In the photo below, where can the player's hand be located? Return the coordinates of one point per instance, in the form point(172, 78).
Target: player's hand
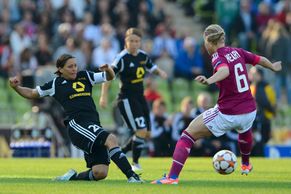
point(103, 102)
point(277, 66)
point(104, 67)
point(202, 79)
point(14, 82)
point(163, 74)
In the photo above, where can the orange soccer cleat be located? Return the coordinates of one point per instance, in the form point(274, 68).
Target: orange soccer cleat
point(166, 180)
point(246, 169)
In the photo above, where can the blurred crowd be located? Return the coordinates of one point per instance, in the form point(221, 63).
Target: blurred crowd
point(33, 34)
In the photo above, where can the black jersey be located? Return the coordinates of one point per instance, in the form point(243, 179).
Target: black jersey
point(75, 95)
point(131, 70)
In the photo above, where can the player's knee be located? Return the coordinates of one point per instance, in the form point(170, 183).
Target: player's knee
point(111, 141)
point(100, 174)
point(144, 134)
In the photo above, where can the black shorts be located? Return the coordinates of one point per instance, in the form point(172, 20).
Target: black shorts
point(135, 112)
point(90, 138)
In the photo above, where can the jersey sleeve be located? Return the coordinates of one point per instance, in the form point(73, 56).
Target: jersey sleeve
point(218, 63)
point(48, 89)
point(96, 78)
point(249, 57)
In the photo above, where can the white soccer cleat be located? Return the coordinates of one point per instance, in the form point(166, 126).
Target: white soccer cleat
point(135, 179)
point(136, 167)
point(67, 176)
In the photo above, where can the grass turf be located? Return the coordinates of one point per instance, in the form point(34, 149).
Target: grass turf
point(34, 176)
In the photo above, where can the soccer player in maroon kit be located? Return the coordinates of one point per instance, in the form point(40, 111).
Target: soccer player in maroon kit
point(235, 108)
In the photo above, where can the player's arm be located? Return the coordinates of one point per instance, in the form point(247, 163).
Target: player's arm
point(109, 72)
point(277, 66)
point(221, 74)
point(23, 91)
point(161, 73)
point(103, 101)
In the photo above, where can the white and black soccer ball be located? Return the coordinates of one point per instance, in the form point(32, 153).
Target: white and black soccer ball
point(224, 162)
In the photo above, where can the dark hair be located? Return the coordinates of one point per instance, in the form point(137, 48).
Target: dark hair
point(62, 61)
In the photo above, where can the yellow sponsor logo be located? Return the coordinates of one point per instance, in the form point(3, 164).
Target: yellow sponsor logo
point(80, 94)
point(82, 78)
point(79, 86)
point(137, 80)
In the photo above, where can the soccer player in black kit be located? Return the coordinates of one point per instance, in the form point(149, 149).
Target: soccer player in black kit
point(131, 65)
point(73, 90)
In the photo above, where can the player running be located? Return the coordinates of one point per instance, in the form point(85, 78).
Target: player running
point(235, 109)
point(131, 65)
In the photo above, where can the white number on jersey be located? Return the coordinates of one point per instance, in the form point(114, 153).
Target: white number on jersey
point(240, 78)
point(140, 121)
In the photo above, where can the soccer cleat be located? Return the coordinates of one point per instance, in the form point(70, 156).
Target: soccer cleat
point(136, 167)
point(166, 181)
point(135, 179)
point(246, 169)
point(67, 176)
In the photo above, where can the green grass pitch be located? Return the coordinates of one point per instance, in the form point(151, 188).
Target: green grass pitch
point(34, 176)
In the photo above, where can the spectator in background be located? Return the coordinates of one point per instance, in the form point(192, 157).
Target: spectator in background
point(30, 28)
point(71, 47)
point(103, 54)
point(204, 102)
point(43, 53)
point(188, 63)
point(277, 48)
point(27, 67)
point(166, 63)
point(92, 32)
point(207, 68)
point(245, 26)
point(226, 12)
point(6, 58)
point(182, 119)
point(161, 130)
point(151, 92)
point(164, 41)
point(87, 49)
point(263, 16)
point(5, 23)
point(19, 40)
point(266, 109)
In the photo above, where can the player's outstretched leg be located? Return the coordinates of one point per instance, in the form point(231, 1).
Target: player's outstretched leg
point(120, 159)
point(181, 153)
point(245, 141)
point(67, 176)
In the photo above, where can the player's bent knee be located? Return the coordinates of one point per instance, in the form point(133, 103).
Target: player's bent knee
point(111, 141)
point(142, 134)
point(100, 174)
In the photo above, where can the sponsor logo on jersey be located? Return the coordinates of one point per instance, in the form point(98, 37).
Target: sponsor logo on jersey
point(131, 65)
point(79, 86)
point(81, 78)
point(80, 94)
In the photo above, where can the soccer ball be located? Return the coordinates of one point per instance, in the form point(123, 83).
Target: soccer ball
point(224, 162)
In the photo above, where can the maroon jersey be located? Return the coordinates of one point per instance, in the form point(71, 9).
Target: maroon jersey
point(234, 92)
